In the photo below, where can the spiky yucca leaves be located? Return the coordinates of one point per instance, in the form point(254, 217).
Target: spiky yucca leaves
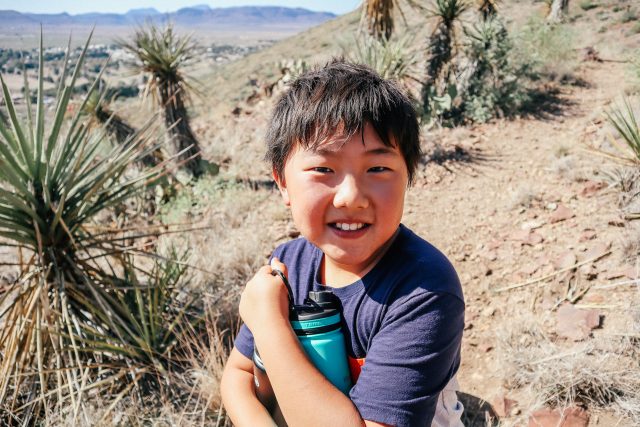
point(64, 326)
point(163, 54)
point(392, 59)
point(442, 48)
point(97, 107)
point(488, 8)
point(626, 124)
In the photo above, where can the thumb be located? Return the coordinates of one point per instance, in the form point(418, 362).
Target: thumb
point(276, 264)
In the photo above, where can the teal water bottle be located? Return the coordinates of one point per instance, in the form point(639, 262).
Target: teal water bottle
point(317, 324)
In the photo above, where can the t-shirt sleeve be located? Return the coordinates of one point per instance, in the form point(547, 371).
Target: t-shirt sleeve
point(410, 360)
point(244, 341)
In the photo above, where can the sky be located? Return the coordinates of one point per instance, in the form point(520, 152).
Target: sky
point(121, 6)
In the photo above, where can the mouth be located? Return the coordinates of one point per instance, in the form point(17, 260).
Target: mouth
point(349, 226)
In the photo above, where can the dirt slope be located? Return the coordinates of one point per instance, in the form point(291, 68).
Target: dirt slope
point(493, 214)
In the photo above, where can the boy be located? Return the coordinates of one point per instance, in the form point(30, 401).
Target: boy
point(344, 147)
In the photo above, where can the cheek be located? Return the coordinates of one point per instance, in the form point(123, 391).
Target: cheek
point(308, 206)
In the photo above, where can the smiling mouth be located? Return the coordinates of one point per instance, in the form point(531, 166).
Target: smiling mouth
point(354, 226)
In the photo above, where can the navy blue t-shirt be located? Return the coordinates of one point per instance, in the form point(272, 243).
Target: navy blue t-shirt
point(403, 324)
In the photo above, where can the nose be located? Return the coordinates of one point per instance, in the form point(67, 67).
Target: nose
point(350, 194)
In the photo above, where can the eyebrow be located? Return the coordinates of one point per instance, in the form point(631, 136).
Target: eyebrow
point(374, 151)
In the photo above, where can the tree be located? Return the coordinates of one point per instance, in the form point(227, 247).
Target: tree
point(558, 10)
point(163, 55)
point(442, 48)
point(488, 9)
point(377, 15)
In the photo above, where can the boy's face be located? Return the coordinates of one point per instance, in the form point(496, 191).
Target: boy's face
point(346, 199)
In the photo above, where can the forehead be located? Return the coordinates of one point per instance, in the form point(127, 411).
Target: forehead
point(337, 141)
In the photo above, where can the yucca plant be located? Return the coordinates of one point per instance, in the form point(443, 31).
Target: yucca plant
point(163, 54)
point(558, 10)
point(488, 8)
point(68, 325)
point(491, 85)
point(392, 59)
point(624, 121)
point(442, 48)
point(377, 17)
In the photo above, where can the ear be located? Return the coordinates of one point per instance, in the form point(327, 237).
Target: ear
point(282, 186)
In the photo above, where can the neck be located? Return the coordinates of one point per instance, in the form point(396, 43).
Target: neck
point(339, 275)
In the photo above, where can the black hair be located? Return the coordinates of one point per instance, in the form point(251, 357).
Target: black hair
point(342, 97)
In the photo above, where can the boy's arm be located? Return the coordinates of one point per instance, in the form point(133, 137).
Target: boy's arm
point(305, 396)
point(238, 393)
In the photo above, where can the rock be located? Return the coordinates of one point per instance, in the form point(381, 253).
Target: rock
point(561, 214)
point(565, 260)
point(532, 225)
point(488, 312)
point(597, 251)
point(589, 271)
point(570, 417)
point(591, 187)
point(529, 269)
point(551, 206)
point(594, 299)
point(527, 237)
point(503, 406)
point(485, 347)
point(628, 272)
point(576, 324)
point(587, 234)
point(489, 255)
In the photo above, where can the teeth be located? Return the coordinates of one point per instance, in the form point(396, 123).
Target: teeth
point(349, 227)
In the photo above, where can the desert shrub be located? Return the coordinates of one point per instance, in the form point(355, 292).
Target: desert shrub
point(628, 16)
point(588, 5)
point(495, 86)
point(601, 372)
point(548, 49)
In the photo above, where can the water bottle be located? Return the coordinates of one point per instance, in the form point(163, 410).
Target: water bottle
point(317, 324)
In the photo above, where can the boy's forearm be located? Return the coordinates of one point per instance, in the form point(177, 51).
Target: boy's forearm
point(303, 393)
point(240, 401)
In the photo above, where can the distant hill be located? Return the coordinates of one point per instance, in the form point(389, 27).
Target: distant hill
point(196, 16)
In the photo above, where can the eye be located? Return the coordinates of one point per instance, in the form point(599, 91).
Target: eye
point(321, 169)
point(378, 169)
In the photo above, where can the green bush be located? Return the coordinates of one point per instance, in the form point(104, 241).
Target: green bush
point(548, 49)
point(495, 86)
point(588, 5)
point(628, 16)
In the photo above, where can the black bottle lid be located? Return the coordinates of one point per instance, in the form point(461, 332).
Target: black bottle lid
point(318, 305)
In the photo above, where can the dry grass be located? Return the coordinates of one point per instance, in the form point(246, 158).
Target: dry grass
point(601, 372)
point(242, 228)
point(523, 196)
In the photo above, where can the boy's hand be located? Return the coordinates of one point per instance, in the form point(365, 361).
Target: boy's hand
point(264, 302)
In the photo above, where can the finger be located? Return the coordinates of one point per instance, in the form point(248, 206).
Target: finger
point(276, 264)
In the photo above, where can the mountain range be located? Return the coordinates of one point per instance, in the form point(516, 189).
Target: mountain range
point(200, 15)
